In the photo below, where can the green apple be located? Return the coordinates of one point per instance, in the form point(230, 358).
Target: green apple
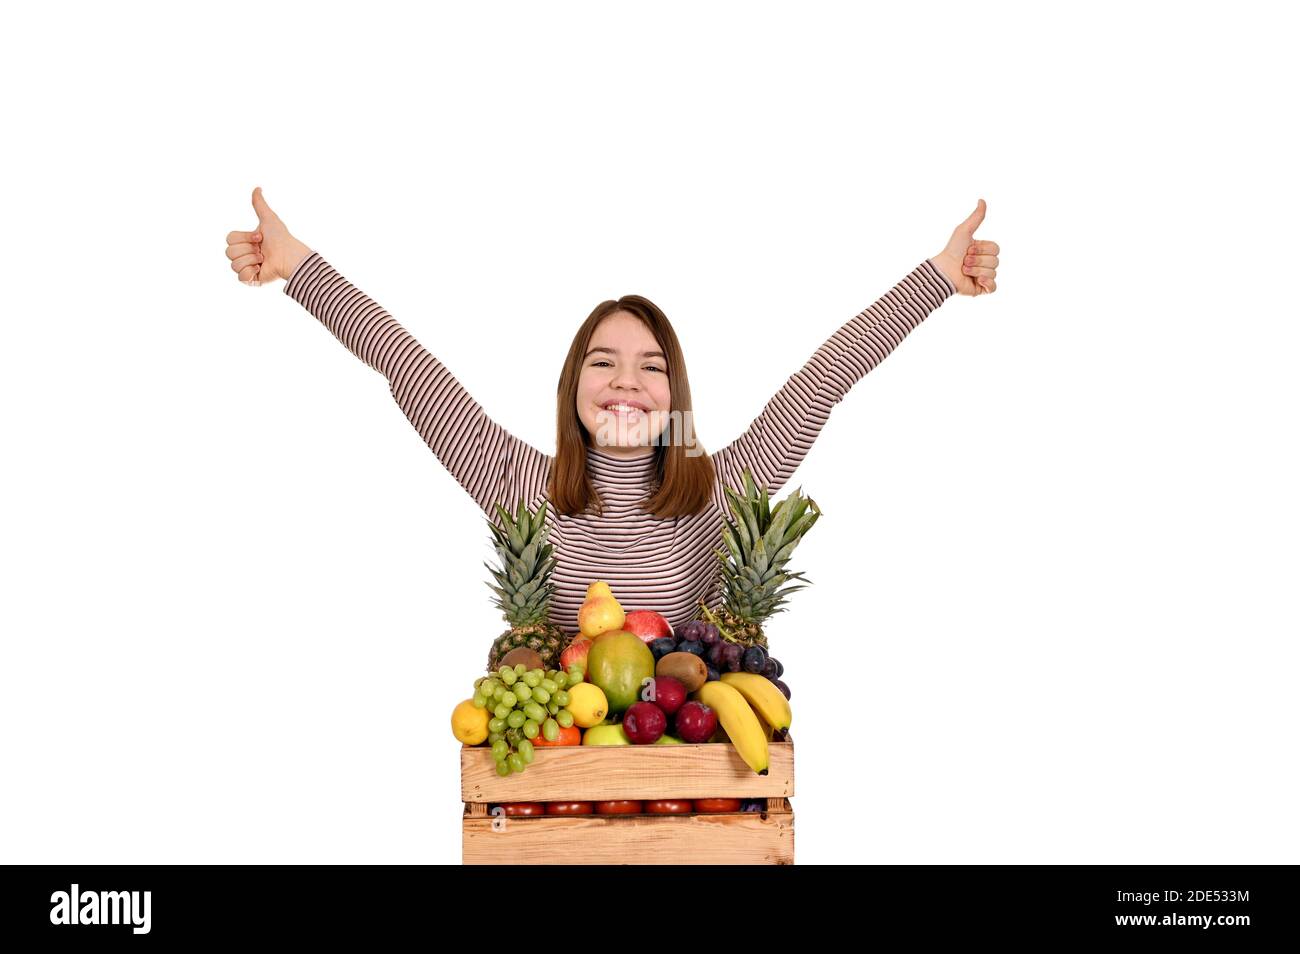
point(669, 740)
point(606, 735)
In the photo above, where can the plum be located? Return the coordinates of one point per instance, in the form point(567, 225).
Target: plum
point(669, 694)
point(696, 722)
point(644, 723)
point(754, 660)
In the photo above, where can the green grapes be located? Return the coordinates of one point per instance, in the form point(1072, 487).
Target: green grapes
point(524, 705)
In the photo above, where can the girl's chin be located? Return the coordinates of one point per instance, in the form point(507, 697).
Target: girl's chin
point(626, 442)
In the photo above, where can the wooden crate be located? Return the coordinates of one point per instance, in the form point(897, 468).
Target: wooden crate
point(641, 772)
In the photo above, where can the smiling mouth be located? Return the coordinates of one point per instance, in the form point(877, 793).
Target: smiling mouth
point(619, 407)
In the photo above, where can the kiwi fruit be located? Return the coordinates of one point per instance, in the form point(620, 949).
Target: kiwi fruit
point(531, 658)
point(688, 668)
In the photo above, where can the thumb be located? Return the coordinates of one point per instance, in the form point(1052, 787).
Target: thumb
point(264, 213)
point(973, 220)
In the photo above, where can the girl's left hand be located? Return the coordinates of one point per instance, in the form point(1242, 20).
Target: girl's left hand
point(969, 264)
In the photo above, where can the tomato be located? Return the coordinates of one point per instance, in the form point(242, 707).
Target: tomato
point(622, 807)
point(570, 736)
point(669, 806)
point(521, 809)
point(715, 805)
point(569, 808)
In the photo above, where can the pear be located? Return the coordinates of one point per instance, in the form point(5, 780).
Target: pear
point(600, 615)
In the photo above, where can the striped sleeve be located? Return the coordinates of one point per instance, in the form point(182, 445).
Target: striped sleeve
point(775, 443)
point(493, 465)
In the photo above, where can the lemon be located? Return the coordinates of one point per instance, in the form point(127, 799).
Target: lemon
point(469, 723)
point(588, 705)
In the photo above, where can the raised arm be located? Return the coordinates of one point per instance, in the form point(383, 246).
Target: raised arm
point(774, 444)
point(493, 465)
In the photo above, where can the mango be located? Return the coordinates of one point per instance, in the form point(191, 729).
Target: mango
point(619, 662)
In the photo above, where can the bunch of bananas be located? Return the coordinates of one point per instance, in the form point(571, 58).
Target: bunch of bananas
point(751, 709)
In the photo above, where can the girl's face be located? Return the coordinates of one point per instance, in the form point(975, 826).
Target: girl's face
point(623, 394)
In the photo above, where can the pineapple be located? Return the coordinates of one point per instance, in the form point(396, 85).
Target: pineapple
point(758, 547)
point(524, 587)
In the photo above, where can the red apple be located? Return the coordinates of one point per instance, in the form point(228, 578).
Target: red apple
point(647, 624)
point(667, 693)
point(575, 652)
point(644, 723)
point(696, 722)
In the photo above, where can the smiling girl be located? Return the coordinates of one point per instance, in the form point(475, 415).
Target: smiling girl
point(634, 500)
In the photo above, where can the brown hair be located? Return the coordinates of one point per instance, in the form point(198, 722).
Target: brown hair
point(683, 484)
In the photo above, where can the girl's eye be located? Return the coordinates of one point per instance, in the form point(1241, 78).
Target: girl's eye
point(597, 364)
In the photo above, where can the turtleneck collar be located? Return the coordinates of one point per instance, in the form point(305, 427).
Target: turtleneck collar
point(606, 469)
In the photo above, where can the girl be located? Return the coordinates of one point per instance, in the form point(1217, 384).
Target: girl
point(632, 498)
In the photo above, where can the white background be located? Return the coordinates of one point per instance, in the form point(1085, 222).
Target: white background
point(1053, 616)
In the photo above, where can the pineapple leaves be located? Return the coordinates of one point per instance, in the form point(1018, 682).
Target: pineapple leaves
point(729, 537)
point(523, 586)
point(758, 545)
point(745, 514)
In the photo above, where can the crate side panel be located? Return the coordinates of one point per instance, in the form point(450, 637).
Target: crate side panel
point(748, 839)
point(600, 773)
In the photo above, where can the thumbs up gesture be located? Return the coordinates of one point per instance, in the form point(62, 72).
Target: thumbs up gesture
point(267, 252)
point(970, 264)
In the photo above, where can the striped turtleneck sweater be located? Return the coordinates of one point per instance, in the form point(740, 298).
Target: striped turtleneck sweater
point(666, 565)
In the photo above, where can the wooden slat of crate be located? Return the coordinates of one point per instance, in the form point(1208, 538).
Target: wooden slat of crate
point(749, 838)
point(603, 773)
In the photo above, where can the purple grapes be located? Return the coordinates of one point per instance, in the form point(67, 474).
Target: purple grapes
point(785, 690)
point(689, 632)
point(754, 660)
point(710, 635)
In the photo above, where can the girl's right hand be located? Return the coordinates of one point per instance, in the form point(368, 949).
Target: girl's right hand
point(266, 253)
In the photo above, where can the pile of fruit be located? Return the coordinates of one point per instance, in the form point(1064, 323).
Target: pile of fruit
point(517, 709)
point(627, 678)
point(700, 639)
